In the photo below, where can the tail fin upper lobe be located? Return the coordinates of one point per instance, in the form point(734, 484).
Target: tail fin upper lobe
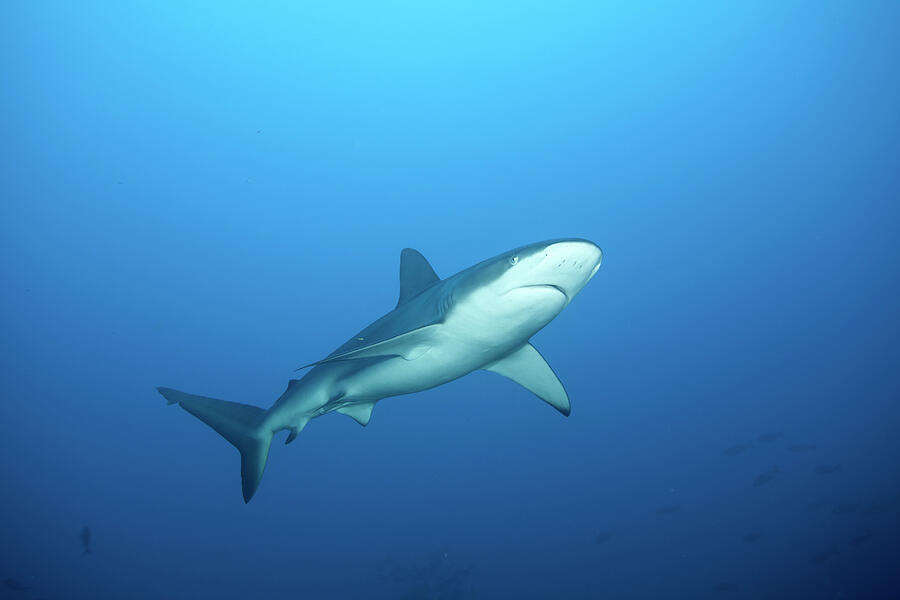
point(240, 424)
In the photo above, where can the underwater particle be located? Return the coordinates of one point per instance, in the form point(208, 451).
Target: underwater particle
point(824, 555)
point(434, 576)
point(738, 448)
point(670, 509)
point(882, 506)
point(86, 539)
point(845, 508)
point(861, 538)
point(14, 585)
point(828, 469)
point(799, 448)
point(764, 478)
point(603, 537)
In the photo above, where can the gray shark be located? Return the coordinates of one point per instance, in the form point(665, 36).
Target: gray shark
point(440, 330)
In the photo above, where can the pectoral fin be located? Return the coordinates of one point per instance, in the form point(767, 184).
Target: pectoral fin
point(528, 368)
point(410, 345)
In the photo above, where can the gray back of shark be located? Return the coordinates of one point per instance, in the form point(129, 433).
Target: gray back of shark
point(440, 330)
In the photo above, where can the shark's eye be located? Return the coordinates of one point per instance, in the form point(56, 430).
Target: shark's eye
point(513, 259)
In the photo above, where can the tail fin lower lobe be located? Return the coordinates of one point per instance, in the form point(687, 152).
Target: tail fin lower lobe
point(240, 424)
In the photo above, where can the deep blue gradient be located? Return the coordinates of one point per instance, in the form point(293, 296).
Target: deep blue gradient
point(206, 195)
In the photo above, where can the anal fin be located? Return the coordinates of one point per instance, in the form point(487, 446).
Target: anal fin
point(295, 430)
point(361, 412)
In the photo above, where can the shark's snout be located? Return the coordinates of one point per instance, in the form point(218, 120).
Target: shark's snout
point(570, 264)
point(574, 254)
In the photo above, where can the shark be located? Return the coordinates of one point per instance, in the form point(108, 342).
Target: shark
point(481, 318)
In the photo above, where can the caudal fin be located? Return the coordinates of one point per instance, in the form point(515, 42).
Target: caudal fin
point(240, 424)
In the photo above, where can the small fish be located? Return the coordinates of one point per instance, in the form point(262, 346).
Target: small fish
point(828, 469)
point(752, 537)
point(738, 448)
point(801, 448)
point(882, 506)
point(668, 510)
point(769, 437)
point(845, 508)
point(86, 539)
point(725, 587)
point(14, 585)
point(821, 557)
point(764, 478)
point(603, 537)
point(861, 538)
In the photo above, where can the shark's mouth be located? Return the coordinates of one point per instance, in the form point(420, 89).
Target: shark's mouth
point(551, 287)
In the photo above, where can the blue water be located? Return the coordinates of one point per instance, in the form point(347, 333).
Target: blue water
point(207, 195)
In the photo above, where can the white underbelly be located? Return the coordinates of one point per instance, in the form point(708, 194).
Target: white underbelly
point(397, 376)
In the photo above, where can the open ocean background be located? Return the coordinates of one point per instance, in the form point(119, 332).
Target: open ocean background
point(205, 195)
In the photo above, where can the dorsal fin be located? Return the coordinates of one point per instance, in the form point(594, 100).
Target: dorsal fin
point(415, 274)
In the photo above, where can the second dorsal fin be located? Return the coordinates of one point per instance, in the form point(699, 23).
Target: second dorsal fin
point(415, 274)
